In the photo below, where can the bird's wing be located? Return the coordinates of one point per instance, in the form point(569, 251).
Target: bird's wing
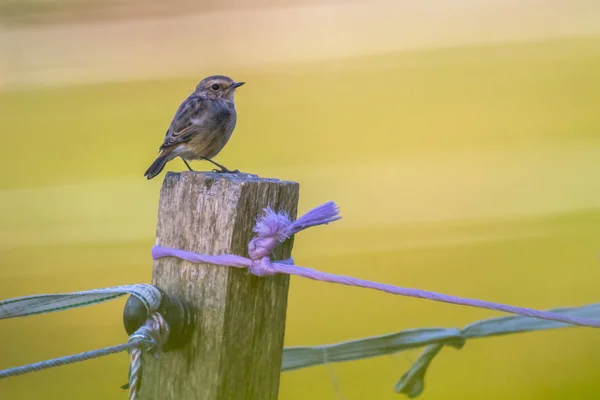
point(182, 127)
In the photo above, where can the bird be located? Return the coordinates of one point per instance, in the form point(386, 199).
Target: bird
point(201, 127)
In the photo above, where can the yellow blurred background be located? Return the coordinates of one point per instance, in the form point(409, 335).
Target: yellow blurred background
point(460, 140)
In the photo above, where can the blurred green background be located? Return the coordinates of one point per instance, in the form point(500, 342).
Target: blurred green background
point(468, 170)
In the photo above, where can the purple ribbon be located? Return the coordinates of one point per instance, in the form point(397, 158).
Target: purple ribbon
point(273, 228)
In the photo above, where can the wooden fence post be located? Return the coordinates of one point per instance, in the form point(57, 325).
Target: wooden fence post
point(236, 347)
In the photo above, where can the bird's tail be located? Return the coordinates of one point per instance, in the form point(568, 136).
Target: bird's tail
point(157, 166)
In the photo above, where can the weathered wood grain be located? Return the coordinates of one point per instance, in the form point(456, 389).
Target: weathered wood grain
point(235, 349)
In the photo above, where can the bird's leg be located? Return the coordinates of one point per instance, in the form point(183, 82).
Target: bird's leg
point(223, 168)
point(187, 165)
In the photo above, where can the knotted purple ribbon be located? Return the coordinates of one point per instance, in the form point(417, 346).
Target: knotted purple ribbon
point(273, 228)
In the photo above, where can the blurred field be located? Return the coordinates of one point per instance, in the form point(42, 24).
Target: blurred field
point(59, 11)
point(470, 171)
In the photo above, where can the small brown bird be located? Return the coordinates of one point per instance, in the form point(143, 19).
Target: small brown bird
point(201, 126)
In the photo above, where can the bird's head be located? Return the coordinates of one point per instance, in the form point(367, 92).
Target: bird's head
point(218, 87)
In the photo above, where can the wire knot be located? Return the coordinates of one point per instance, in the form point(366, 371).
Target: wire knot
point(150, 337)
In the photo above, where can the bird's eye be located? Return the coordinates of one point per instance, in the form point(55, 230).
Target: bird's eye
point(215, 87)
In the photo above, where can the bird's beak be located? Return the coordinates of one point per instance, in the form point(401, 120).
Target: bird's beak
point(238, 84)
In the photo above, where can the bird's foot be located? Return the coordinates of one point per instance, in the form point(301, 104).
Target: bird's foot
point(225, 171)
